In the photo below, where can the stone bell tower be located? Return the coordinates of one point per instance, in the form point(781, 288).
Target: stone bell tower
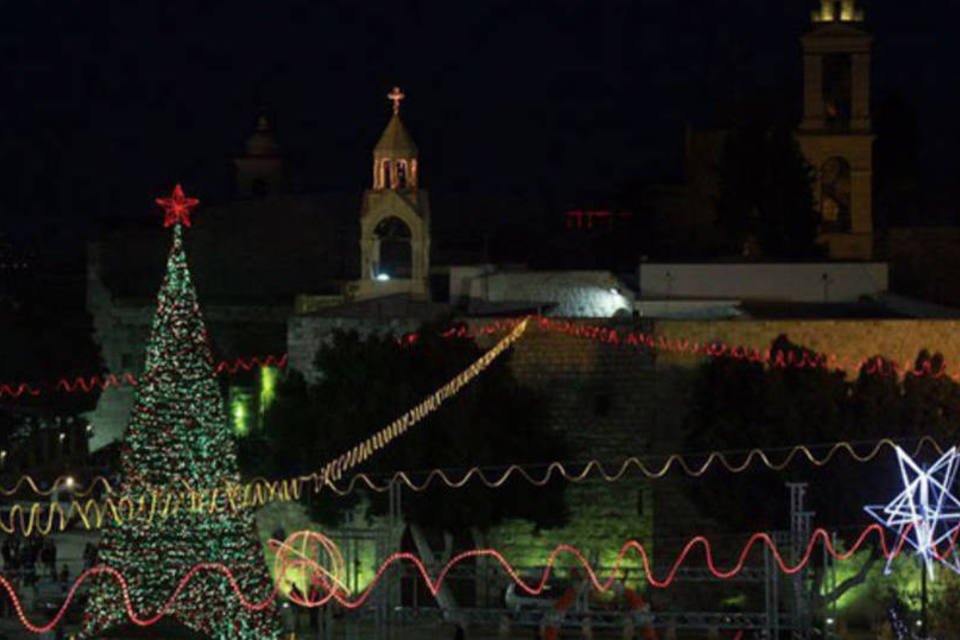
point(260, 168)
point(395, 217)
point(835, 133)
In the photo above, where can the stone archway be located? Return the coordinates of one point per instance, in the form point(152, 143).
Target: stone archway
point(393, 249)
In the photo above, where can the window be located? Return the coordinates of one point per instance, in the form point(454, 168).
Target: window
point(394, 257)
point(837, 87)
point(387, 178)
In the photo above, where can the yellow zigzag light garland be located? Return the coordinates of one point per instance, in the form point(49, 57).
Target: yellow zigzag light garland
point(91, 514)
point(651, 472)
point(162, 502)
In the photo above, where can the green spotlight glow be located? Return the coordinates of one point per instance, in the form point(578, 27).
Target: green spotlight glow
point(268, 388)
point(240, 411)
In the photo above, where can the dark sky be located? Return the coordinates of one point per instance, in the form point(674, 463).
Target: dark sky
point(105, 104)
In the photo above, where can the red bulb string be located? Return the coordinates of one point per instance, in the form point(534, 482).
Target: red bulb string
point(799, 359)
point(536, 587)
point(90, 384)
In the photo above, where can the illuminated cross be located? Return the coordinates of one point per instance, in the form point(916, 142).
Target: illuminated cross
point(176, 208)
point(396, 95)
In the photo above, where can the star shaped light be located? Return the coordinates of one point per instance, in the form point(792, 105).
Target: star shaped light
point(926, 513)
point(176, 208)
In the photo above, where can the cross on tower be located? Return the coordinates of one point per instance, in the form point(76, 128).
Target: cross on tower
point(396, 95)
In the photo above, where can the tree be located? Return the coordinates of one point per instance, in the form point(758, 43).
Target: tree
point(737, 406)
point(367, 381)
point(765, 193)
point(178, 433)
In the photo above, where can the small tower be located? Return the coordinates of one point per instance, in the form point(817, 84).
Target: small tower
point(395, 217)
point(260, 169)
point(835, 134)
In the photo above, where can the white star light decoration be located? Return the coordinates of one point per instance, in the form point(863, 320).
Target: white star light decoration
point(926, 513)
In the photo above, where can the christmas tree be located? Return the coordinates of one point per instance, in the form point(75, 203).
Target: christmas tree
point(178, 435)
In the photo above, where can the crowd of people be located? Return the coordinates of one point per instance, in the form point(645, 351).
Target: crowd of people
point(25, 560)
point(28, 561)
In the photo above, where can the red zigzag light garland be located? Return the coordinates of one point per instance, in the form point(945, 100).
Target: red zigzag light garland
point(532, 588)
point(637, 339)
point(90, 384)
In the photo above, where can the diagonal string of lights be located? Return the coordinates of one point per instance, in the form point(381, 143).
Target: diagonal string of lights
point(162, 502)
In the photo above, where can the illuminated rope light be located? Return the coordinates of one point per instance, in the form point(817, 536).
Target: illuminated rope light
point(594, 468)
point(293, 558)
point(261, 489)
point(716, 349)
point(639, 339)
point(163, 503)
point(89, 384)
point(335, 469)
point(43, 517)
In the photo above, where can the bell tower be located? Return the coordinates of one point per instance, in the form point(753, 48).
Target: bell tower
point(260, 168)
point(835, 133)
point(395, 217)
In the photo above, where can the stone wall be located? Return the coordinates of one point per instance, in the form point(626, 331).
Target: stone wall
point(599, 398)
point(925, 262)
point(801, 282)
point(849, 340)
point(122, 331)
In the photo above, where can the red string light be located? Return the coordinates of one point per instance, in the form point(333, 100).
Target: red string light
point(334, 591)
point(90, 384)
point(799, 359)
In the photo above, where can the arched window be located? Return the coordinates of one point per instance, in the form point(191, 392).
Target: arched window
point(837, 90)
point(386, 181)
point(835, 194)
point(401, 174)
point(394, 255)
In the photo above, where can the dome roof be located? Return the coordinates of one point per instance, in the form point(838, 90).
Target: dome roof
point(395, 142)
point(263, 142)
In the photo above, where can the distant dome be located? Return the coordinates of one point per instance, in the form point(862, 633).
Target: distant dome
point(263, 142)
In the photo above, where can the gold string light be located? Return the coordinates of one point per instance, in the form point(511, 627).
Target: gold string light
point(90, 514)
point(162, 502)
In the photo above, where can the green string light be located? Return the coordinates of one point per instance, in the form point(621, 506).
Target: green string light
point(179, 431)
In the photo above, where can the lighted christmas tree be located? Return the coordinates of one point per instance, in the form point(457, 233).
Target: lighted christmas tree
point(178, 433)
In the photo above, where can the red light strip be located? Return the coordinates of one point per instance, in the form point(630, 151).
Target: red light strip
point(100, 383)
point(532, 588)
point(606, 335)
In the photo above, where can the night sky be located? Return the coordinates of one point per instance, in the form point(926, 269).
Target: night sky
point(106, 104)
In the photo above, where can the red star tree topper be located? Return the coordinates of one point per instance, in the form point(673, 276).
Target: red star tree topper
point(176, 208)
